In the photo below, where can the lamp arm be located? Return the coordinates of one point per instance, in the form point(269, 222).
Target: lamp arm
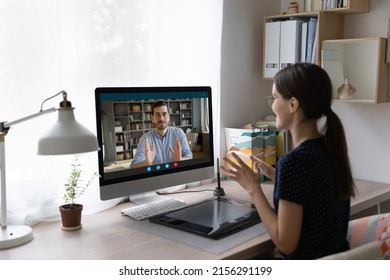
point(4, 126)
point(7, 125)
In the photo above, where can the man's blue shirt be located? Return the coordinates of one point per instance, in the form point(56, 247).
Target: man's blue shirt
point(162, 144)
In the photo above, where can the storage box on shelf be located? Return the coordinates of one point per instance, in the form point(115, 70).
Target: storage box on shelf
point(362, 62)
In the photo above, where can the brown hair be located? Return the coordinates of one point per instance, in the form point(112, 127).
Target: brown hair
point(312, 87)
point(158, 104)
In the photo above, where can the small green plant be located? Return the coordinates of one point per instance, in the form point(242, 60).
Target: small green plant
point(74, 188)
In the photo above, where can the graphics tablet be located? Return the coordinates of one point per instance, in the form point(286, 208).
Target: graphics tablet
point(216, 218)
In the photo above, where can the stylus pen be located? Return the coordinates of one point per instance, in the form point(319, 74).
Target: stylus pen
point(218, 175)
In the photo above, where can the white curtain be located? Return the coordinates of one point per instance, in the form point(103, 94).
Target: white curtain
point(51, 45)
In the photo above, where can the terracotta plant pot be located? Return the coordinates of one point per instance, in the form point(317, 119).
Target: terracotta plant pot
point(71, 216)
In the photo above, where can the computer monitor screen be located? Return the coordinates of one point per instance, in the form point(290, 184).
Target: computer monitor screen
point(124, 118)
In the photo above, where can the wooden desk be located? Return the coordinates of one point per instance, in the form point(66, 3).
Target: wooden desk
point(107, 235)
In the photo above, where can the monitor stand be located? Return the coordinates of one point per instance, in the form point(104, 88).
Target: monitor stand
point(155, 196)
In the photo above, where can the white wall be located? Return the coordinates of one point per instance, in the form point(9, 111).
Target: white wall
point(243, 90)
point(367, 126)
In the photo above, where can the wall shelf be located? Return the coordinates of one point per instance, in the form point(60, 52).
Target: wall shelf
point(362, 62)
point(329, 26)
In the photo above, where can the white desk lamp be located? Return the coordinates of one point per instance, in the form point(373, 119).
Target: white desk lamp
point(67, 136)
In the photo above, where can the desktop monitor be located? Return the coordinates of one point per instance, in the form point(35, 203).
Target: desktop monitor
point(123, 115)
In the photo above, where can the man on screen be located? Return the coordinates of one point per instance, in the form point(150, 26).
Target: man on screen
point(163, 143)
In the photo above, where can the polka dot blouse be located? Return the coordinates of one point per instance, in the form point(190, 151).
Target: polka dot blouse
point(304, 176)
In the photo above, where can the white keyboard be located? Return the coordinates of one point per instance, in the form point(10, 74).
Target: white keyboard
point(146, 211)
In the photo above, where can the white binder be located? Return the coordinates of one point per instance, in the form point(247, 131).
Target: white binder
point(290, 42)
point(271, 51)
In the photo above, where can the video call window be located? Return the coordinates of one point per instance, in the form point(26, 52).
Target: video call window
point(124, 121)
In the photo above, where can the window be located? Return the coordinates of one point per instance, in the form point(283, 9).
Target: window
point(48, 46)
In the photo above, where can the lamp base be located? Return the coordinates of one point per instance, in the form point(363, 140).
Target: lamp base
point(15, 235)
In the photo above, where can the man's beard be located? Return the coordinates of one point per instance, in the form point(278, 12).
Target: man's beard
point(161, 125)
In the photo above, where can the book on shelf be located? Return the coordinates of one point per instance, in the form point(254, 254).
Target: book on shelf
point(308, 6)
point(304, 41)
point(314, 51)
point(329, 4)
point(311, 29)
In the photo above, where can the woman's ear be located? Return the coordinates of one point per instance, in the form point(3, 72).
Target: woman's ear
point(293, 104)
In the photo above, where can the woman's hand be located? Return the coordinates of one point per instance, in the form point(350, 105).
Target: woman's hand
point(263, 168)
point(242, 173)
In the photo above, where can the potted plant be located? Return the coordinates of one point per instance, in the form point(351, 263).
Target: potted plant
point(71, 210)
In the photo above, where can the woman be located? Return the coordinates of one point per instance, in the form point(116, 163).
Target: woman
point(313, 182)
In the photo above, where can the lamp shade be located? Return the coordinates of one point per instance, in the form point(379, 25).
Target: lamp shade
point(67, 136)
